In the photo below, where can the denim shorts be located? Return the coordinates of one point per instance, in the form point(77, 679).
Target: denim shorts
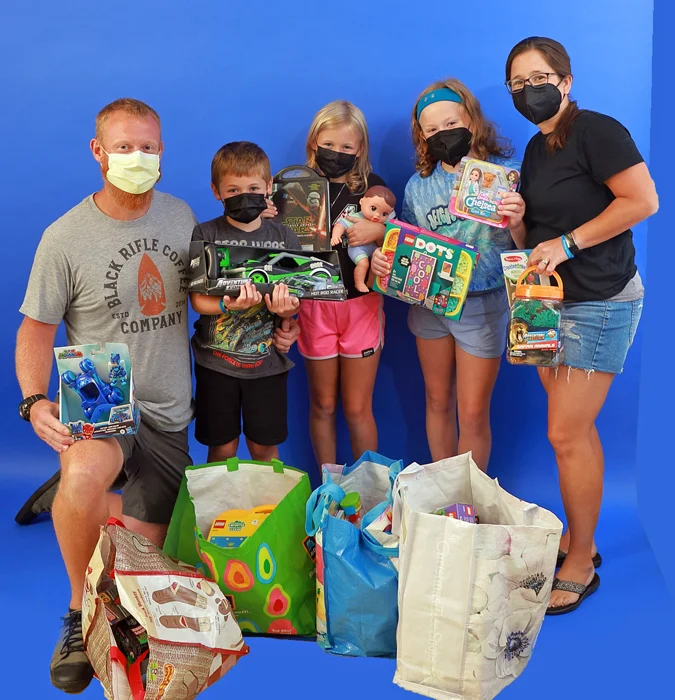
point(597, 334)
point(481, 331)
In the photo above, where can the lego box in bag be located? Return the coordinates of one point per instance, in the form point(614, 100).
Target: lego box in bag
point(96, 390)
point(428, 269)
point(301, 198)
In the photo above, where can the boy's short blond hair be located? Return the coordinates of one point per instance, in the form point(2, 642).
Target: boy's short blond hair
point(240, 158)
point(128, 105)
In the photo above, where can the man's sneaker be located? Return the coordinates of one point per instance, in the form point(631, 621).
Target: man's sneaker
point(70, 669)
point(40, 502)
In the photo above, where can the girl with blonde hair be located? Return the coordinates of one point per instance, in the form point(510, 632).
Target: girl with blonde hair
point(341, 341)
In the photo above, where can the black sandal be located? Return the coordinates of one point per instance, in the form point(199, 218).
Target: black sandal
point(582, 591)
point(40, 501)
point(597, 560)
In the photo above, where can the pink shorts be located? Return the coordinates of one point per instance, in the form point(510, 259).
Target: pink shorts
point(353, 328)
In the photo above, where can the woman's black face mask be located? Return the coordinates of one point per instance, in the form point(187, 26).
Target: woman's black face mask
point(538, 104)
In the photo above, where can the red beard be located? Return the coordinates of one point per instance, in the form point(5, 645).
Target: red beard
point(131, 202)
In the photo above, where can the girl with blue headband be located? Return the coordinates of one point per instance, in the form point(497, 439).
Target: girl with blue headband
point(448, 124)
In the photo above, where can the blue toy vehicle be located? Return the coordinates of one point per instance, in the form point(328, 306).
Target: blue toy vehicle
point(97, 396)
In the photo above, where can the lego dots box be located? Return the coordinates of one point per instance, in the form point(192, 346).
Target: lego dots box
point(96, 390)
point(428, 269)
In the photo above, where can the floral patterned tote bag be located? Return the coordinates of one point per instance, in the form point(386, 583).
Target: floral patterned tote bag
point(472, 597)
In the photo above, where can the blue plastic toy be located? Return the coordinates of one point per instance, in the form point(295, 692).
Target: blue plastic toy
point(97, 396)
point(116, 370)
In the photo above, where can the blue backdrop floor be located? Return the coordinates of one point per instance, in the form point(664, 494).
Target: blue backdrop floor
point(617, 643)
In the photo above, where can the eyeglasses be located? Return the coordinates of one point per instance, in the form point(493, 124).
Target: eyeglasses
point(538, 80)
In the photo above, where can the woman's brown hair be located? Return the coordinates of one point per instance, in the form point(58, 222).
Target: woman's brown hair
point(484, 142)
point(557, 57)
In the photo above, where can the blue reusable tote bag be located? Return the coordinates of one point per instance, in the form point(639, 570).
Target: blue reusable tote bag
point(357, 580)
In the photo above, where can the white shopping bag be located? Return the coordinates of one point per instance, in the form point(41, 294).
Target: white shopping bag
point(472, 598)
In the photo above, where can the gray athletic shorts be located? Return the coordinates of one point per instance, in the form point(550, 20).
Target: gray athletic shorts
point(481, 331)
point(154, 465)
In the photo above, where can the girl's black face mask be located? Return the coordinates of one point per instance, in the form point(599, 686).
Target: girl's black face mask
point(334, 164)
point(245, 207)
point(450, 145)
point(538, 104)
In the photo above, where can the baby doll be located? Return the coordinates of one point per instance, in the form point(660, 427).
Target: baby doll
point(377, 205)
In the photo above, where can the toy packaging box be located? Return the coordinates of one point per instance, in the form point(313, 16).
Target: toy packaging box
point(301, 197)
point(222, 270)
point(535, 336)
point(96, 390)
point(514, 263)
point(232, 527)
point(428, 269)
point(479, 188)
point(458, 511)
point(534, 333)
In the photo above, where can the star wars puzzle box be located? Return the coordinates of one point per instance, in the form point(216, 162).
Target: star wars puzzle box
point(96, 390)
point(427, 269)
point(301, 197)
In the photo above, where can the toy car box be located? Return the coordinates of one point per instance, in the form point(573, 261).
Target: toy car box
point(223, 270)
point(96, 390)
point(478, 190)
point(514, 263)
point(428, 269)
point(301, 198)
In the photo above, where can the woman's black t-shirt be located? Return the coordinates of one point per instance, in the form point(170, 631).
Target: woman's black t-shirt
point(345, 203)
point(565, 189)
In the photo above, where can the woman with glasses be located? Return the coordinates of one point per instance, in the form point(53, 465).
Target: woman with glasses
point(585, 185)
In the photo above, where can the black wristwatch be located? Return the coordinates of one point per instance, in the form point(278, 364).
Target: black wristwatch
point(27, 403)
point(571, 243)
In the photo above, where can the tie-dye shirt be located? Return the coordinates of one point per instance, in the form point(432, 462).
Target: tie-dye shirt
point(426, 205)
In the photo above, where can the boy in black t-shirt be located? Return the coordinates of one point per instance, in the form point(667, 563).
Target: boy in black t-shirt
point(238, 370)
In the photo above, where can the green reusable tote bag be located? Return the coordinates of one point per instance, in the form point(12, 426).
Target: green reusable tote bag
point(269, 578)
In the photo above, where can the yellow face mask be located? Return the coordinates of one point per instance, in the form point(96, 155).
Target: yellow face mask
point(135, 172)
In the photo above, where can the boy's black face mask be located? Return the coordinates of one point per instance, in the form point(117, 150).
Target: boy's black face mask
point(334, 164)
point(245, 207)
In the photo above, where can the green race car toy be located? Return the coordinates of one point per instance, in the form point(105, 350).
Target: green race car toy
point(227, 268)
point(278, 267)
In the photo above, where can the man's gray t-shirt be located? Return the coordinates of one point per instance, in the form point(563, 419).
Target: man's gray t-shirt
point(124, 282)
point(240, 343)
